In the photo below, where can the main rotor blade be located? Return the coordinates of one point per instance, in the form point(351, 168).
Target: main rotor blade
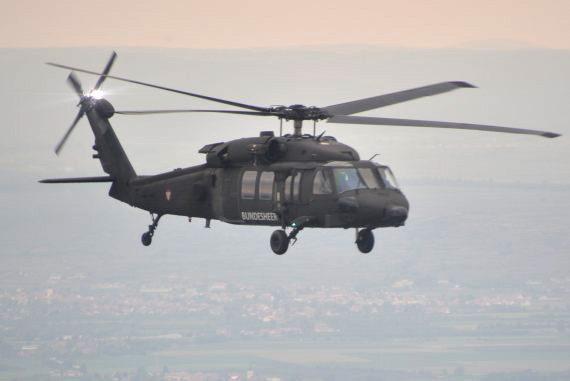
point(430, 123)
point(231, 103)
point(68, 132)
point(149, 112)
point(366, 104)
point(74, 82)
point(106, 71)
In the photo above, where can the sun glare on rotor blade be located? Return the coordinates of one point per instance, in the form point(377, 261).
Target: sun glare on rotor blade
point(97, 94)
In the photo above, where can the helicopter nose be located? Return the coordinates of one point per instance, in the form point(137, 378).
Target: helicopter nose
point(385, 209)
point(397, 213)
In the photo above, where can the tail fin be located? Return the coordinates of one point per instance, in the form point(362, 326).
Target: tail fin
point(110, 153)
point(109, 150)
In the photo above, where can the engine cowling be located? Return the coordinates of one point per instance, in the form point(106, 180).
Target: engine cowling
point(266, 149)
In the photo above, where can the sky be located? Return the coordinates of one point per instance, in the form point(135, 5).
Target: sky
point(258, 23)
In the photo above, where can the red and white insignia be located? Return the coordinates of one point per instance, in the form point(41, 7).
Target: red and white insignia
point(168, 194)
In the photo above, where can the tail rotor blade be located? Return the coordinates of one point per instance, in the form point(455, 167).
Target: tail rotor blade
point(68, 132)
point(75, 84)
point(105, 71)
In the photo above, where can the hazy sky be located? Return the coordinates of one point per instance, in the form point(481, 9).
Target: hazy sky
point(259, 23)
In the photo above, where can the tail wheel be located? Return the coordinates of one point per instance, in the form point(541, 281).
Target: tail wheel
point(279, 242)
point(365, 241)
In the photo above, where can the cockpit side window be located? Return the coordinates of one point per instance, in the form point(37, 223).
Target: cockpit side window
point(322, 183)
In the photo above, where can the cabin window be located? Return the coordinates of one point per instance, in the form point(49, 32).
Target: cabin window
point(322, 183)
point(369, 178)
point(248, 185)
point(287, 190)
point(266, 185)
point(297, 186)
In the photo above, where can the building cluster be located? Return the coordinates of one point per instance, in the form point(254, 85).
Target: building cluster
point(83, 318)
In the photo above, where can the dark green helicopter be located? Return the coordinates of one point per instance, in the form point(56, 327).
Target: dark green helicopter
point(290, 181)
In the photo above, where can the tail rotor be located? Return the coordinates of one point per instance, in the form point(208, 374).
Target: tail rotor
point(85, 99)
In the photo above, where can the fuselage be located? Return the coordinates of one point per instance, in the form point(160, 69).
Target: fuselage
point(330, 194)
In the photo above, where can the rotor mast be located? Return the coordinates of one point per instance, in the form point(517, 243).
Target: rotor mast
point(298, 127)
point(298, 113)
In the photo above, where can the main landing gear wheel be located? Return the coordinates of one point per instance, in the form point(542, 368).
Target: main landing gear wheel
point(279, 242)
point(146, 238)
point(365, 241)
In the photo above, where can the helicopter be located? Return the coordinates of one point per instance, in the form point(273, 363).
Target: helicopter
point(291, 181)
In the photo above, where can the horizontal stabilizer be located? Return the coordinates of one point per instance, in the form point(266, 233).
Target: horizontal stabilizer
point(71, 180)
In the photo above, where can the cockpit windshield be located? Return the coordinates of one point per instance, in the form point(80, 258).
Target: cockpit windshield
point(347, 179)
point(388, 178)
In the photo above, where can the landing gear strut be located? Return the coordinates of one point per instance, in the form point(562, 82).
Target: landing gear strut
point(365, 240)
point(146, 238)
point(279, 240)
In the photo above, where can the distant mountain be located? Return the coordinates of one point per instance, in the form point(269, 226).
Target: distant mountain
point(497, 45)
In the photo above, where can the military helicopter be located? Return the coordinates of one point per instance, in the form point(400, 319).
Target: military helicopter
point(292, 181)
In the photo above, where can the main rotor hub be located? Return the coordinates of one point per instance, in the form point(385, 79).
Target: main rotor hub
point(300, 112)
